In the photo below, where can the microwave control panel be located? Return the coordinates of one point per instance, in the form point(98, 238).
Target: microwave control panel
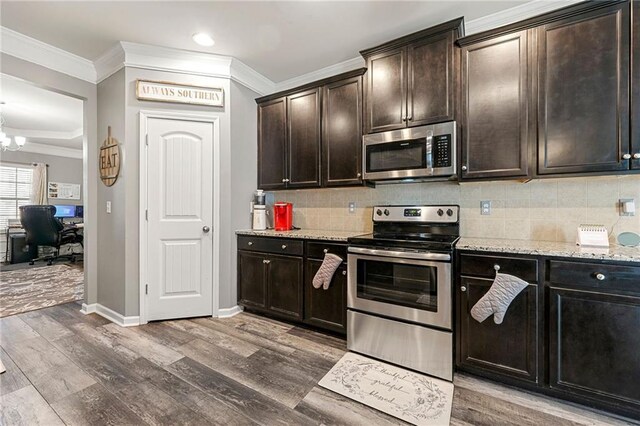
point(441, 151)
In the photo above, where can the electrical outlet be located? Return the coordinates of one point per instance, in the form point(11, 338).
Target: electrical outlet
point(108, 206)
point(352, 207)
point(485, 207)
point(627, 207)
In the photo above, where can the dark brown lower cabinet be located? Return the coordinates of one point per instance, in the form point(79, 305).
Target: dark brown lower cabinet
point(594, 346)
point(326, 308)
point(252, 279)
point(509, 349)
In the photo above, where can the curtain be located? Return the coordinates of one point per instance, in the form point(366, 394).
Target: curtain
point(39, 184)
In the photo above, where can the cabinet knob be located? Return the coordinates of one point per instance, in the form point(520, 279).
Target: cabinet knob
point(284, 246)
point(496, 267)
point(464, 168)
point(626, 156)
point(600, 277)
point(266, 261)
point(404, 117)
point(325, 251)
point(284, 180)
point(344, 272)
point(409, 117)
point(360, 174)
point(636, 155)
point(250, 243)
point(463, 289)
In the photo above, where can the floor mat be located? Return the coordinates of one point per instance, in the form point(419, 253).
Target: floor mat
point(30, 289)
point(412, 397)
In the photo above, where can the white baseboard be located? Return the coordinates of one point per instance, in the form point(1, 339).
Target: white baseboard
point(110, 314)
point(229, 312)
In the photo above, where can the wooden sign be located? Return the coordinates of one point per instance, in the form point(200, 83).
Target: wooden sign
point(109, 160)
point(179, 93)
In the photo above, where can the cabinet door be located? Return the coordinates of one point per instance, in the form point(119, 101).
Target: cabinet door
point(509, 349)
point(495, 124)
point(252, 288)
point(272, 117)
point(342, 132)
point(594, 345)
point(635, 87)
point(285, 286)
point(386, 91)
point(430, 81)
point(583, 92)
point(326, 308)
point(303, 120)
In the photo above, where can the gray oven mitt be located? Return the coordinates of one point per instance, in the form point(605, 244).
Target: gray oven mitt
point(327, 269)
point(497, 300)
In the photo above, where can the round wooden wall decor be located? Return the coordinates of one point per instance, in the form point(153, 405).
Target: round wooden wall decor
point(109, 159)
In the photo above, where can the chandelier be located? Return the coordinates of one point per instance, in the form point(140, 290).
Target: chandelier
point(10, 144)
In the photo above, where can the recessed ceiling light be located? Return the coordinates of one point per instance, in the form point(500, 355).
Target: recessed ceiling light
point(203, 39)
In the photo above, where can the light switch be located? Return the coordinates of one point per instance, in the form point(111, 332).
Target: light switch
point(108, 206)
point(485, 207)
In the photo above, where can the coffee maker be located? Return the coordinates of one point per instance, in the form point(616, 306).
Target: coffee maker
point(259, 211)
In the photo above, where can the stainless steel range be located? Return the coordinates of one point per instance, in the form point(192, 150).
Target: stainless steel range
point(400, 288)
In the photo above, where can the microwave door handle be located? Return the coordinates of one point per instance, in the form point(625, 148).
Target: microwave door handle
point(430, 152)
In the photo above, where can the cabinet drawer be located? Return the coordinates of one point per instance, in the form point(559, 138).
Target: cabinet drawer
point(483, 266)
point(317, 250)
point(271, 245)
point(594, 275)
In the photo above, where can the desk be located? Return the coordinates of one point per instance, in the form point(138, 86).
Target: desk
point(18, 228)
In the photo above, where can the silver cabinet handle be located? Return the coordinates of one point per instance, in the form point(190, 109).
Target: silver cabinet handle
point(496, 267)
point(206, 229)
point(636, 155)
point(344, 272)
point(409, 117)
point(284, 180)
point(360, 174)
point(266, 261)
point(626, 156)
point(250, 243)
point(284, 246)
point(325, 251)
point(463, 288)
point(404, 117)
point(464, 168)
point(600, 277)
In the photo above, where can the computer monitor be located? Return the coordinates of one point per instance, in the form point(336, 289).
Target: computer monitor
point(65, 211)
point(80, 211)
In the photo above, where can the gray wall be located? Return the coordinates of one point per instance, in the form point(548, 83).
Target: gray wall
point(111, 230)
point(244, 154)
point(61, 169)
point(62, 83)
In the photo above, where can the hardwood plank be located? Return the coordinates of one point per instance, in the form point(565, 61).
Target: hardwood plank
point(156, 407)
point(13, 329)
point(328, 352)
point(102, 366)
point(254, 405)
point(95, 406)
point(69, 314)
point(333, 409)
point(255, 339)
point(225, 341)
point(27, 407)
point(162, 333)
point(262, 326)
point(143, 345)
point(192, 397)
point(106, 340)
point(50, 372)
point(314, 336)
point(45, 326)
point(12, 379)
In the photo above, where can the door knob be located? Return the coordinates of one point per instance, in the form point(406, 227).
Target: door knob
point(626, 156)
point(206, 229)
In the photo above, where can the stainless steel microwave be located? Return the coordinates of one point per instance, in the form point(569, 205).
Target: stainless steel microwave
point(413, 153)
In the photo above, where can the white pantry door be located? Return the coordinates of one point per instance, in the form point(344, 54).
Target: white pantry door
point(180, 218)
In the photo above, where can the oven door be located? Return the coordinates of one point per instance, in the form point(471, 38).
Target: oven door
point(409, 286)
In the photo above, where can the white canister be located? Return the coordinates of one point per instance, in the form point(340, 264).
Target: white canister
point(259, 217)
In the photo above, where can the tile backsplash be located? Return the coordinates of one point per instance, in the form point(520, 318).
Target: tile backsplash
point(544, 209)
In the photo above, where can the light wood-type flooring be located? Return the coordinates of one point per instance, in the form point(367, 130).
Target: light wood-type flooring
point(64, 367)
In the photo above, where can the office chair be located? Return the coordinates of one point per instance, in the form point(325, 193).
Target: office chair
point(43, 229)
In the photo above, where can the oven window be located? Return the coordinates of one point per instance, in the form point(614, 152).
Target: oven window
point(404, 155)
point(400, 284)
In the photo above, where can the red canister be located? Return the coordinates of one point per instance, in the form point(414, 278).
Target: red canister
point(283, 216)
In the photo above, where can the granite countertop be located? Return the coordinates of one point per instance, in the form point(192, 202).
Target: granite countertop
point(304, 234)
point(547, 248)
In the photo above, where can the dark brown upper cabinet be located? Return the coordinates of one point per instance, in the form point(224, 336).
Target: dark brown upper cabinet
point(311, 136)
point(410, 80)
point(272, 144)
point(342, 132)
point(583, 92)
point(496, 124)
point(635, 87)
point(303, 139)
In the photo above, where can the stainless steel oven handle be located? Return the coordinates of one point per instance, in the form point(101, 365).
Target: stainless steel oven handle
point(401, 254)
point(429, 150)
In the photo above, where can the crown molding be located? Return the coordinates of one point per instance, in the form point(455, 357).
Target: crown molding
point(109, 63)
point(59, 151)
point(44, 134)
point(247, 76)
point(331, 70)
point(29, 49)
point(515, 14)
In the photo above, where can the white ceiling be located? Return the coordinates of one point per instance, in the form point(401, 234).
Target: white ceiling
point(42, 116)
point(280, 40)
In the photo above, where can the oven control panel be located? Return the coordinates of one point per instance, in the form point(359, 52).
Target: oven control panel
point(426, 214)
point(441, 151)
